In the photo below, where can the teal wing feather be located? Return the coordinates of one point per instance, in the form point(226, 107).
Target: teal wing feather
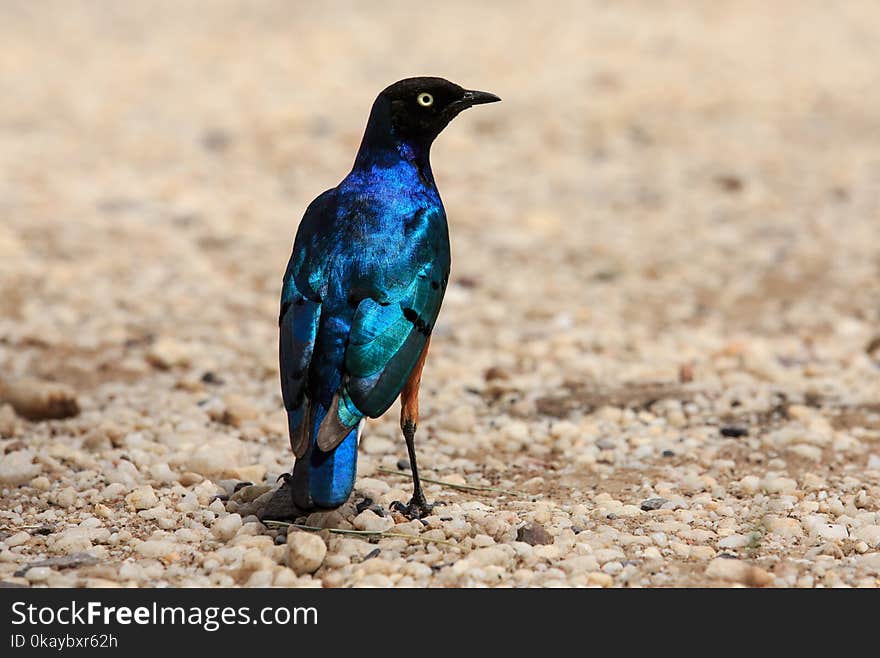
point(390, 330)
point(387, 340)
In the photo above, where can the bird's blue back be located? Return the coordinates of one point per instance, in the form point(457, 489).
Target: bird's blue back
point(361, 293)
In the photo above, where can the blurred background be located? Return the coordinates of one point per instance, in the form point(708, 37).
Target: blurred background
point(671, 191)
point(660, 172)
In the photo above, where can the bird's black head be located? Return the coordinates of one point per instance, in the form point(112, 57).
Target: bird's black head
point(422, 107)
point(416, 110)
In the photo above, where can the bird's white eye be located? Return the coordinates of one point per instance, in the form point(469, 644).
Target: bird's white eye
point(425, 99)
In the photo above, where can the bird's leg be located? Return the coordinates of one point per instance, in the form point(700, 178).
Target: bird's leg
point(418, 507)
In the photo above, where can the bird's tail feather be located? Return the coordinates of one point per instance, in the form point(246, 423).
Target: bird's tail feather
point(324, 480)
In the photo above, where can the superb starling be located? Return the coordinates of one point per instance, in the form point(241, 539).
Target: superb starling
point(362, 291)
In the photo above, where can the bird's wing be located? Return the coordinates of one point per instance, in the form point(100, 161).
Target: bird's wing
point(387, 338)
point(298, 328)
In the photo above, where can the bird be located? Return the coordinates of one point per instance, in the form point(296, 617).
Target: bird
point(361, 294)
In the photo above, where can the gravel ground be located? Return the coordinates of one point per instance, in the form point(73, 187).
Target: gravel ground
point(659, 340)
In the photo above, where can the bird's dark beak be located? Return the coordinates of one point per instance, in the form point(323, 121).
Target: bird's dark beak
point(471, 97)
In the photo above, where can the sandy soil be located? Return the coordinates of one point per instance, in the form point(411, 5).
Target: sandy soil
point(657, 337)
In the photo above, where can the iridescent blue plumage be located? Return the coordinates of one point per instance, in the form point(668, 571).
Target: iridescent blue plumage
point(361, 294)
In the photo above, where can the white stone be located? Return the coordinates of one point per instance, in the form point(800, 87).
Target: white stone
point(73, 540)
point(811, 452)
point(600, 579)
point(189, 502)
point(142, 498)
point(163, 473)
point(701, 553)
point(305, 552)
point(67, 497)
point(369, 520)
point(738, 571)
point(612, 568)
point(216, 457)
point(549, 552)
point(490, 555)
point(780, 485)
point(373, 487)
point(17, 539)
point(750, 483)
point(831, 531)
point(18, 467)
point(784, 526)
point(870, 534)
point(377, 445)
point(580, 564)
point(187, 535)
point(652, 553)
point(604, 555)
point(156, 548)
point(262, 578)
point(41, 482)
point(113, 491)
point(38, 574)
point(734, 541)
point(131, 571)
point(226, 527)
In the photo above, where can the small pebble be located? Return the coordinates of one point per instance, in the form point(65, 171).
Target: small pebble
point(533, 534)
point(226, 527)
point(369, 520)
point(305, 552)
point(17, 539)
point(738, 571)
point(652, 504)
point(142, 498)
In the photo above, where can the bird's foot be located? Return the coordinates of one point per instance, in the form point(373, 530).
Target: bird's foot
point(417, 508)
point(281, 506)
